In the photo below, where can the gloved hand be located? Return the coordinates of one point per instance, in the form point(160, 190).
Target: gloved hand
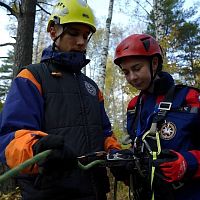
point(171, 164)
point(122, 166)
point(61, 159)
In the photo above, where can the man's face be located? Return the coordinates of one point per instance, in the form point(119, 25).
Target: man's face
point(75, 37)
point(137, 71)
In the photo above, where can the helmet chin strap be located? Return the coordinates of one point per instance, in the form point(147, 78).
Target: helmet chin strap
point(153, 76)
point(90, 37)
point(55, 39)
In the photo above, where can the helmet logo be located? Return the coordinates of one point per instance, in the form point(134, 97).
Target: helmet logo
point(167, 131)
point(60, 10)
point(90, 88)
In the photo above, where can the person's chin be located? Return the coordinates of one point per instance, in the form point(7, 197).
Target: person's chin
point(138, 86)
point(77, 50)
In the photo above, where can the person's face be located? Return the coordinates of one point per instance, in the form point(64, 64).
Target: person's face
point(75, 37)
point(137, 71)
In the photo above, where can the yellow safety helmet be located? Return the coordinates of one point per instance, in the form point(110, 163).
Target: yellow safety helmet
point(72, 11)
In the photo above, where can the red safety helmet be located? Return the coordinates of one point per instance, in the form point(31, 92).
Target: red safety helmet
point(137, 45)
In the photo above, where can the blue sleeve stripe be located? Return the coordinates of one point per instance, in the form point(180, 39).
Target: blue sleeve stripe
point(23, 108)
point(4, 141)
point(192, 164)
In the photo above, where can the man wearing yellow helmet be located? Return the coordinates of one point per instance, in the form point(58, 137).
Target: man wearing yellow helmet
point(53, 105)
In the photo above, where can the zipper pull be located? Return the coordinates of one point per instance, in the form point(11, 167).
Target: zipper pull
point(56, 74)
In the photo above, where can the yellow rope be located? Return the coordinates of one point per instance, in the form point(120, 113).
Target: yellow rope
point(153, 153)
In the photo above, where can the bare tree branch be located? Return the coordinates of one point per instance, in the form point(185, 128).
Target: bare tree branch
point(138, 2)
point(7, 44)
point(149, 3)
point(40, 2)
point(14, 37)
point(43, 9)
point(4, 57)
point(12, 12)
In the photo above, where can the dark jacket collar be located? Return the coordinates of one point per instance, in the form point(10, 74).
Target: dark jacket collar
point(69, 61)
point(161, 84)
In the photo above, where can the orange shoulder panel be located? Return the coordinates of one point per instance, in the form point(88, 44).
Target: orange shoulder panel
point(100, 96)
point(111, 143)
point(25, 73)
point(20, 149)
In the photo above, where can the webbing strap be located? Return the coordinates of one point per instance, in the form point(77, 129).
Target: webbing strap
point(152, 174)
point(156, 137)
point(153, 153)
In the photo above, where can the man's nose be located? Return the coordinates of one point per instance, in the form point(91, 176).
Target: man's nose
point(132, 75)
point(81, 40)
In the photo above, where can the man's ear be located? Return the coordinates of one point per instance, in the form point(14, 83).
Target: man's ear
point(155, 63)
point(52, 32)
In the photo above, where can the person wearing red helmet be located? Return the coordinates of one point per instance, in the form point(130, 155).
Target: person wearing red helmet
point(162, 123)
point(145, 47)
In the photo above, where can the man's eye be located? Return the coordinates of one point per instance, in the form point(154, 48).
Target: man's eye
point(76, 34)
point(137, 68)
point(72, 33)
point(125, 73)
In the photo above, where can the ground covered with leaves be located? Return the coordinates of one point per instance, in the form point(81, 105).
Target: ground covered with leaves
point(122, 193)
point(15, 195)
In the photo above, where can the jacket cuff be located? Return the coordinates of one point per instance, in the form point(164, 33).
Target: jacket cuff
point(192, 164)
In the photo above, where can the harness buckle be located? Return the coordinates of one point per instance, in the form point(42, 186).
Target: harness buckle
point(164, 105)
point(177, 185)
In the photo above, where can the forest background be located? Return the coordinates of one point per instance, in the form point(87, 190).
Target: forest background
point(174, 23)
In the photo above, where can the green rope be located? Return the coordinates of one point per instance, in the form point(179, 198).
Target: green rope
point(90, 165)
point(15, 171)
point(40, 156)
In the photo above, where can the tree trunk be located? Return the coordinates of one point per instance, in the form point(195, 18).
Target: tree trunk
point(158, 9)
point(25, 32)
point(40, 40)
point(102, 66)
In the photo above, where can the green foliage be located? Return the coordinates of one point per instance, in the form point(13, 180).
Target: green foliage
point(188, 37)
point(6, 74)
point(174, 14)
point(181, 41)
point(112, 102)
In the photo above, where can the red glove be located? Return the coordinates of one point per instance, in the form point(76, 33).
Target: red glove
point(172, 165)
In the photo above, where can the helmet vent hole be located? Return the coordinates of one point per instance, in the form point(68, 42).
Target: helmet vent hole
point(85, 15)
point(56, 20)
point(126, 48)
point(146, 43)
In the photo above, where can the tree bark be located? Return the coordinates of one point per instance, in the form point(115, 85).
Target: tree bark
point(102, 66)
point(25, 32)
point(158, 9)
